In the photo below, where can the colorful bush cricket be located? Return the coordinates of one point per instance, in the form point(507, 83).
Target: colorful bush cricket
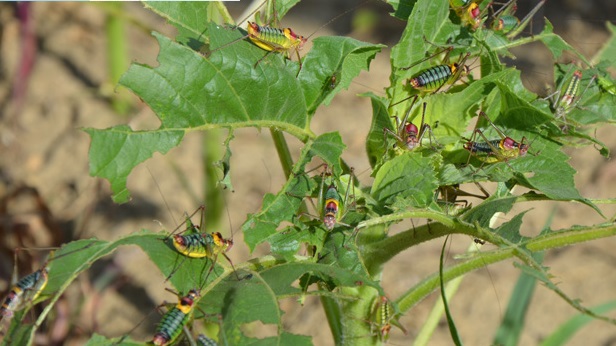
point(408, 135)
point(172, 323)
point(504, 20)
point(331, 204)
point(277, 40)
point(496, 150)
point(468, 11)
point(196, 244)
point(434, 78)
point(333, 207)
point(270, 38)
point(28, 288)
point(383, 317)
point(564, 100)
point(280, 40)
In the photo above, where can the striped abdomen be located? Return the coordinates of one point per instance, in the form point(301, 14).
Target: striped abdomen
point(434, 77)
point(383, 317)
point(170, 327)
point(26, 290)
point(199, 245)
point(274, 39)
point(572, 89)
point(482, 147)
point(203, 340)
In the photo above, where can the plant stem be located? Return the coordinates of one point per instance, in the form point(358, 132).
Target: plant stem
point(117, 60)
point(212, 194)
point(283, 151)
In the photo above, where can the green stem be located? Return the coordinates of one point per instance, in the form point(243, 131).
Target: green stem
point(549, 241)
point(224, 12)
point(334, 318)
point(117, 60)
point(283, 151)
point(212, 194)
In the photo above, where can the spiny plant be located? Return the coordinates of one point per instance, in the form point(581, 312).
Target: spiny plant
point(201, 83)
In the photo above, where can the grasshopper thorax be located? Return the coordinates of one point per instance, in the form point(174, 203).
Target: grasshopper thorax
point(222, 243)
point(510, 144)
point(189, 299)
point(299, 39)
point(411, 135)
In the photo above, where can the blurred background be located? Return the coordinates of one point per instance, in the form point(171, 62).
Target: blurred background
point(59, 65)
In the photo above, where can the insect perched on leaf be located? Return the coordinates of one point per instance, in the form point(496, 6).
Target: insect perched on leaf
point(196, 244)
point(331, 205)
point(434, 78)
point(28, 288)
point(567, 96)
point(383, 315)
point(496, 150)
point(276, 40)
point(265, 34)
point(504, 20)
point(172, 323)
point(408, 135)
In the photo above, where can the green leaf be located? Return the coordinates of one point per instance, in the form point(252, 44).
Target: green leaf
point(287, 242)
point(284, 206)
point(71, 260)
point(375, 148)
point(483, 213)
point(242, 302)
point(116, 151)
point(510, 230)
point(190, 18)
point(556, 44)
point(329, 147)
point(281, 278)
point(402, 8)
point(99, 340)
point(409, 176)
point(341, 57)
point(608, 51)
point(426, 21)
point(518, 113)
point(224, 165)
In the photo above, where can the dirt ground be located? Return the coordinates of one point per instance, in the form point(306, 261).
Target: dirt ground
point(43, 148)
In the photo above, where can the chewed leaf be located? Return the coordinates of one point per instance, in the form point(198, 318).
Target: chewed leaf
point(410, 176)
point(114, 153)
point(284, 206)
point(340, 58)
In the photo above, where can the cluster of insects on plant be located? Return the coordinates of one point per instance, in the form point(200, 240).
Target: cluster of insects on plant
point(342, 204)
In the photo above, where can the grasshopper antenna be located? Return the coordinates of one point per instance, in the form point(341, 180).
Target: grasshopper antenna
point(162, 196)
